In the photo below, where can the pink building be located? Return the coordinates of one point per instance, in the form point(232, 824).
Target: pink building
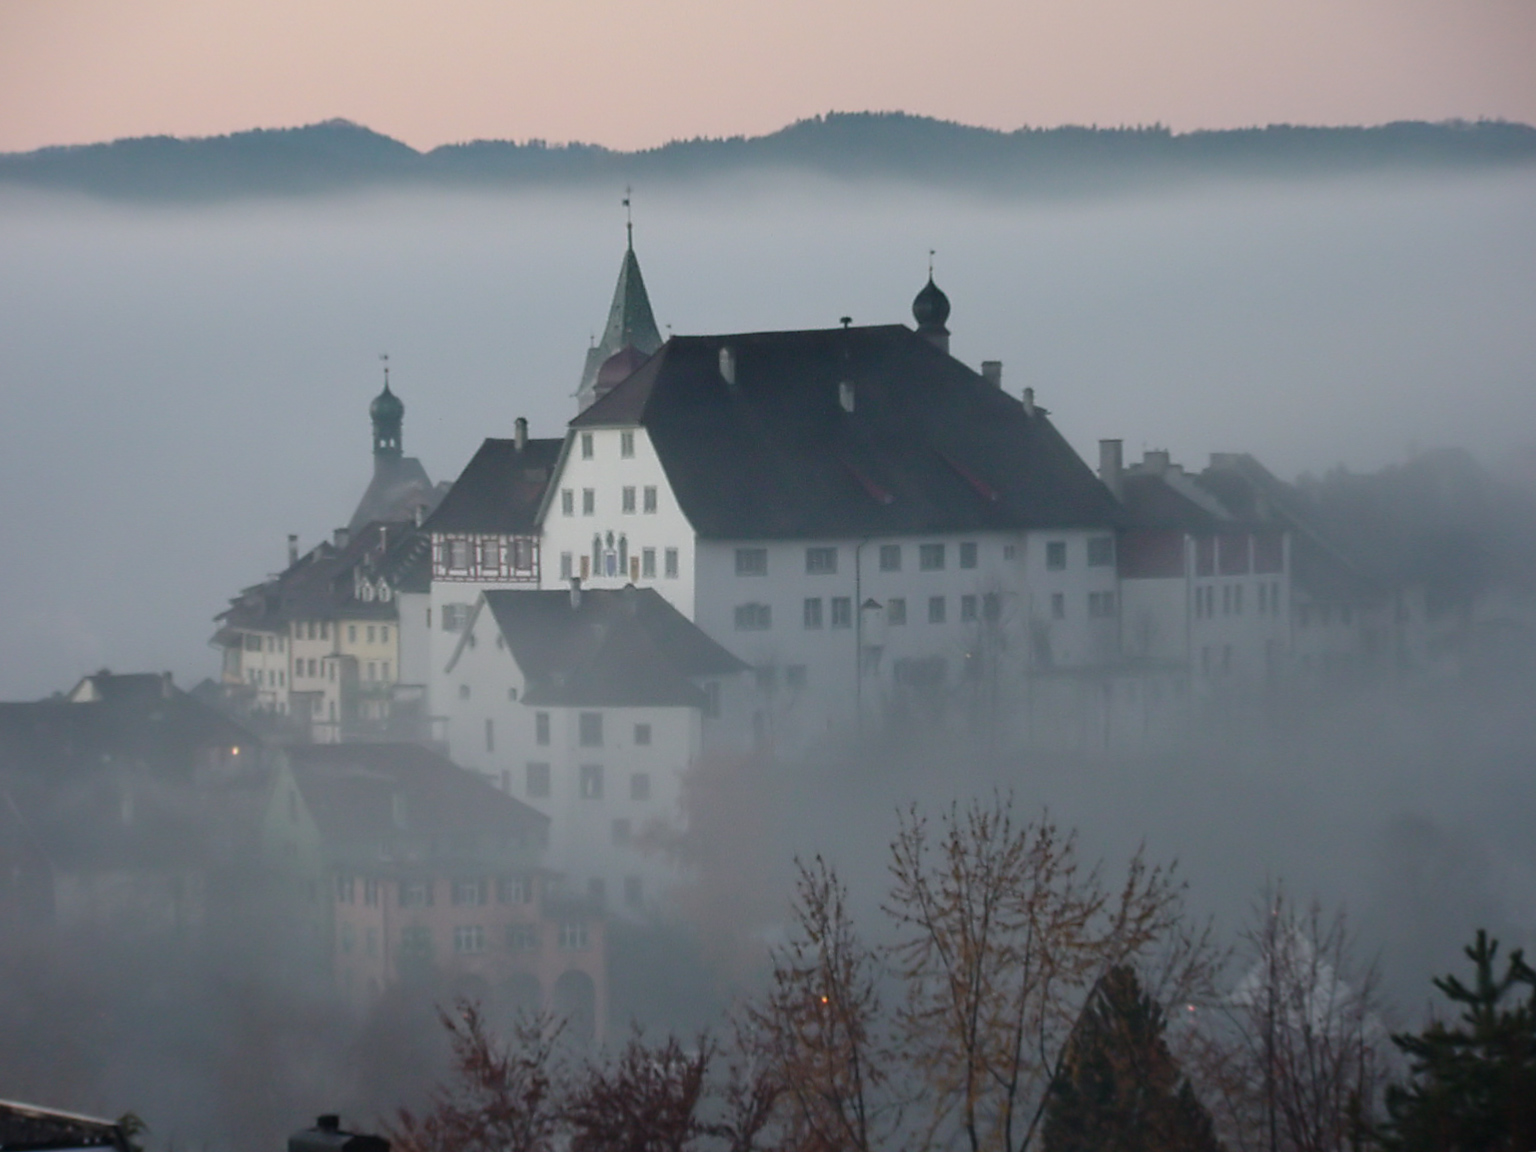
point(412, 869)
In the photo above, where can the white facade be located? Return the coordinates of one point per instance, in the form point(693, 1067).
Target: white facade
point(458, 579)
point(850, 630)
point(609, 778)
point(889, 613)
point(1233, 626)
point(610, 518)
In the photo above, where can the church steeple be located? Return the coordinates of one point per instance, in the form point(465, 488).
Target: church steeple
point(930, 309)
point(631, 323)
point(387, 413)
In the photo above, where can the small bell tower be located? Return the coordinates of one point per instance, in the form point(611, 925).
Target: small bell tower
point(388, 414)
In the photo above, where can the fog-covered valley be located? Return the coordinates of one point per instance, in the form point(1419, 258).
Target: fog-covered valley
point(183, 386)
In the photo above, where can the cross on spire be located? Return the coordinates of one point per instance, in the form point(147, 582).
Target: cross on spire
point(384, 356)
point(629, 218)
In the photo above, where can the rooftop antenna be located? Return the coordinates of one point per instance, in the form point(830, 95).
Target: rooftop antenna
point(629, 218)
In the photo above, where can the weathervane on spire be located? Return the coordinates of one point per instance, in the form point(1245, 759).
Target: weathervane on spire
point(629, 217)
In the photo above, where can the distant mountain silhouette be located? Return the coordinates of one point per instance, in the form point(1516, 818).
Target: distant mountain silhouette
point(339, 155)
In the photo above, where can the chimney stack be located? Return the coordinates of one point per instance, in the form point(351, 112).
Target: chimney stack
point(1111, 466)
point(575, 593)
point(293, 549)
point(341, 537)
point(992, 372)
point(520, 432)
point(1155, 461)
point(1029, 401)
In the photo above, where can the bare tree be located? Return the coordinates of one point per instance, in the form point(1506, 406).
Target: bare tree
point(647, 1100)
point(1004, 934)
point(500, 1097)
point(818, 1032)
point(1295, 1060)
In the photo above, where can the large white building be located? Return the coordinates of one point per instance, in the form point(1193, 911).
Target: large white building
point(591, 705)
point(876, 528)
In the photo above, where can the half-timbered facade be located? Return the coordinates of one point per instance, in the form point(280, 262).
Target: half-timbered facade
point(484, 536)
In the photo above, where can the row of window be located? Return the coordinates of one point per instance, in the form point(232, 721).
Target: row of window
point(537, 781)
point(374, 670)
point(1101, 605)
point(822, 560)
point(496, 553)
point(321, 630)
point(1269, 600)
point(627, 502)
point(590, 726)
point(421, 893)
point(613, 560)
point(470, 939)
point(988, 606)
point(626, 445)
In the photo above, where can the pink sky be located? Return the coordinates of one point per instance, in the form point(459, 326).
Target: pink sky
point(631, 73)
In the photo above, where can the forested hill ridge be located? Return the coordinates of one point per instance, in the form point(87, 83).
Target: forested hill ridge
point(338, 155)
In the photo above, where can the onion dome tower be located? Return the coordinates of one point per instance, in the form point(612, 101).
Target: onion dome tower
point(930, 308)
point(400, 486)
point(388, 414)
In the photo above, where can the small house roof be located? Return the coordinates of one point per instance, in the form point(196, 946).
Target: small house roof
point(624, 647)
point(499, 490)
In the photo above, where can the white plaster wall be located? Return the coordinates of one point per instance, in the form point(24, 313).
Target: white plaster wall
point(480, 686)
point(415, 637)
point(1155, 619)
point(1259, 643)
point(833, 684)
point(440, 644)
point(608, 473)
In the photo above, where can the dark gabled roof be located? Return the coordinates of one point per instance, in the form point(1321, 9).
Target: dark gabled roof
point(323, 583)
point(625, 647)
point(30, 1128)
point(140, 718)
point(351, 791)
point(1151, 502)
point(930, 446)
point(1318, 565)
point(399, 487)
point(499, 490)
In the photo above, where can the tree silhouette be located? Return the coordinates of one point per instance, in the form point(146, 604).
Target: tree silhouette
point(1472, 1086)
point(1120, 1089)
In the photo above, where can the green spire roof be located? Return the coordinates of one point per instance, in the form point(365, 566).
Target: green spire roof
point(630, 322)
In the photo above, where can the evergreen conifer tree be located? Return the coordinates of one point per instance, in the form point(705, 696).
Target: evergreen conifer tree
point(1472, 1086)
point(1120, 1089)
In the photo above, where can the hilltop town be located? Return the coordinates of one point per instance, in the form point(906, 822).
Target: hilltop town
point(454, 740)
